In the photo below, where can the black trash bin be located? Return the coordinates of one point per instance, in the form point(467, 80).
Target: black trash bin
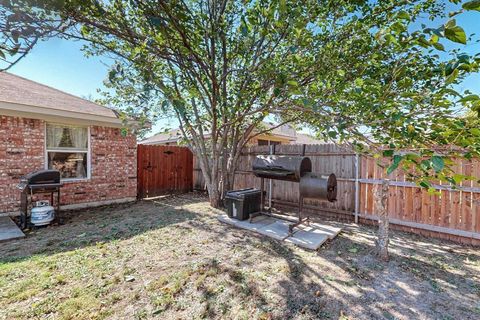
point(241, 203)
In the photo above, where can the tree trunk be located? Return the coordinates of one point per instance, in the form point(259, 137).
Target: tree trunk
point(382, 209)
point(218, 168)
point(211, 177)
point(214, 195)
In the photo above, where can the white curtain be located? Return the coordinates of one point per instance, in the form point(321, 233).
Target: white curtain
point(79, 137)
point(54, 136)
point(67, 137)
point(81, 170)
point(70, 163)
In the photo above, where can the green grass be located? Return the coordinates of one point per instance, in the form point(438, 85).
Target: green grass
point(176, 261)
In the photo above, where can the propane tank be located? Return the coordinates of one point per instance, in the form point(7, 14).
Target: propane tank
point(42, 214)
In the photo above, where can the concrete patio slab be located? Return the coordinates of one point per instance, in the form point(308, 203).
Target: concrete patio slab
point(277, 230)
point(257, 222)
point(331, 231)
point(9, 230)
point(311, 239)
point(308, 237)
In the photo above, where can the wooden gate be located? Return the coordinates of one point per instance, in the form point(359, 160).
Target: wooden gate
point(163, 170)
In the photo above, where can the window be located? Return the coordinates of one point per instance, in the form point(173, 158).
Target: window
point(268, 142)
point(67, 150)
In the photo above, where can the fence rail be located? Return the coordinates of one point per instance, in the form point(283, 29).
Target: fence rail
point(454, 213)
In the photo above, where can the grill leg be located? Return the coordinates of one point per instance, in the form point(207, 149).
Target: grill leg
point(301, 219)
point(262, 198)
point(57, 216)
point(23, 209)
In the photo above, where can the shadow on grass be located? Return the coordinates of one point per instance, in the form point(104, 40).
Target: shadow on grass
point(423, 279)
point(85, 227)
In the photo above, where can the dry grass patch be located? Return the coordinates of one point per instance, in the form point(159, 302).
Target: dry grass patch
point(172, 259)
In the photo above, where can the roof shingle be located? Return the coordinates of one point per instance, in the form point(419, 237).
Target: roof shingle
point(18, 90)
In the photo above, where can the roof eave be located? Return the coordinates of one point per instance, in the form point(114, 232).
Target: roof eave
point(49, 114)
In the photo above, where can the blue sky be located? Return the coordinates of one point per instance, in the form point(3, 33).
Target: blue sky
point(61, 64)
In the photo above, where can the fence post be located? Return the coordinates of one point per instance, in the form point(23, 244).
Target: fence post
point(357, 186)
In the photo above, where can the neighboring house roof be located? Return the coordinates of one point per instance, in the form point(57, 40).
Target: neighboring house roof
point(166, 137)
point(21, 96)
point(285, 131)
point(307, 139)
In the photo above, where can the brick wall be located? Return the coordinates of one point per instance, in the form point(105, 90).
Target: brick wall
point(113, 163)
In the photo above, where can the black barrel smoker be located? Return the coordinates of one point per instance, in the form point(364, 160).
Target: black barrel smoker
point(42, 181)
point(295, 169)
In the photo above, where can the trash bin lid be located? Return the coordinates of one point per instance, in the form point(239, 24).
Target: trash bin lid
point(240, 194)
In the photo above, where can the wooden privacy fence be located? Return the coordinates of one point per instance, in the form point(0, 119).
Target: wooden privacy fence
point(454, 214)
point(163, 170)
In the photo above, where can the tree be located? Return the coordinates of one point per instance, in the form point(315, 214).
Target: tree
point(221, 67)
point(414, 120)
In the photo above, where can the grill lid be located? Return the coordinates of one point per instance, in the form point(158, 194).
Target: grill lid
point(41, 177)
point(287, 168)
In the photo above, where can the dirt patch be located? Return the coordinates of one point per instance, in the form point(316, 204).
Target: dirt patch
point(170, 258)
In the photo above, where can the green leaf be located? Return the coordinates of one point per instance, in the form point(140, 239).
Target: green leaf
point(437, 163)
point(455, 34)
point(292, 83)
point(282, 6)
point(463, 58)
point(475, 132)
point(388, 153)
point(403, 15)
point(397, 27)
point(451, 78)
point(425, 184)
point(451, 23)
point(470, 97)
point(457, 178)
point(439, 46)
point(472, 5)
point(2, 55)
point(396, 161)
point(358, 82)
point(425, 165)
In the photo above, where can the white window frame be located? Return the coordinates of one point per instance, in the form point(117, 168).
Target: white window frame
point(70, 150)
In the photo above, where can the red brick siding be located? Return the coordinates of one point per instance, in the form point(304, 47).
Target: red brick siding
point(113, 163)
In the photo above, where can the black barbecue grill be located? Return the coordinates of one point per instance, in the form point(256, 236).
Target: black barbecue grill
point(294, 169)
point(42, 181)
point(281, 167)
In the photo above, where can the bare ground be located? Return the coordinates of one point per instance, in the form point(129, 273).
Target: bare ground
point(171, 259)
